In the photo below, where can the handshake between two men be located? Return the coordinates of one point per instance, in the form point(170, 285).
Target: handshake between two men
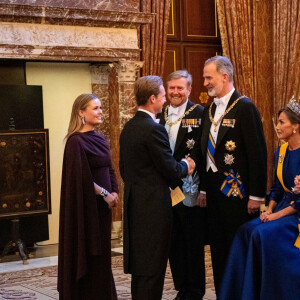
point(191, 165)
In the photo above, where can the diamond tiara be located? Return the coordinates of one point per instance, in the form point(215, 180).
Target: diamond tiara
point(294, 106)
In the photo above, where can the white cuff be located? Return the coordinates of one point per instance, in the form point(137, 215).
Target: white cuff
point(257, 198)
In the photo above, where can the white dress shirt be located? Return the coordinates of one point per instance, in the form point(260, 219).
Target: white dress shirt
point(152, 115)
point(174, 113)
point(221, 104)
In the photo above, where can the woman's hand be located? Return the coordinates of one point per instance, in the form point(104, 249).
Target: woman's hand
point(111, 199)
point(297, 183)
point(264, 215)
point(269, 217)
point(116, 196)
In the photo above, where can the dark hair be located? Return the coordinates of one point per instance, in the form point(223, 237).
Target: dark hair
point(293, 118)
point(181, 74)
point(223, 65)
point(145, 87)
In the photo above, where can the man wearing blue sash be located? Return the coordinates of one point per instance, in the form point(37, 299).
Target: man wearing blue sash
point(182, 120)
point(234, 156)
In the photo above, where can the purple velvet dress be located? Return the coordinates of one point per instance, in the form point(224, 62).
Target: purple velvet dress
point(84, 263)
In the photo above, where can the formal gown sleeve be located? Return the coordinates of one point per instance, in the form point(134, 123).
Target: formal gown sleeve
point(295, 203)
point(277, 191)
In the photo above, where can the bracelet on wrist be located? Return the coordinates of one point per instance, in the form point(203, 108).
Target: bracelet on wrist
point(104, 192)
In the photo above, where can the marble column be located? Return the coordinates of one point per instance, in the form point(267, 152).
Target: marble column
point(99, 75)
point(122, 107)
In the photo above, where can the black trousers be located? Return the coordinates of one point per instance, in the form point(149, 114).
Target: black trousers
point(224, 215)
point(187, 250)
point(148, 287)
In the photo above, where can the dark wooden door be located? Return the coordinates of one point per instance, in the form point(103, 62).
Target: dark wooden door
point(193, 37)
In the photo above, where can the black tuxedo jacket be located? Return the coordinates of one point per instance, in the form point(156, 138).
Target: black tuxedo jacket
point(250, 153)
point(181, 147)
point(147, 168)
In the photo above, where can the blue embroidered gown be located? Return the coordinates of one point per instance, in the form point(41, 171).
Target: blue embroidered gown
point(263, 261)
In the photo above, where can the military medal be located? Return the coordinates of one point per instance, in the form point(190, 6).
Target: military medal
point(228, 123)
point(230, 145)
point(232, 185)
point(179, 119)
point(190, 123)
point(235, 192)
point(190, 143)
point(216, 123)
point(229, 159)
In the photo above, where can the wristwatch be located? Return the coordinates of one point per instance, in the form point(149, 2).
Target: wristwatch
point(104, 192)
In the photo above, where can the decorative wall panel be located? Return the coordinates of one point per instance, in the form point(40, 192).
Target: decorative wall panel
point(24, 173)
point(195, 56)
point(200, 19)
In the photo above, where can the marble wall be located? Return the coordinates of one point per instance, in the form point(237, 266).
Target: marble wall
point(126, 5)
point(104, 33)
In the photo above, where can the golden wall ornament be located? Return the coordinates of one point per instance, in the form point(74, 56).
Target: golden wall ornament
point(203, 97)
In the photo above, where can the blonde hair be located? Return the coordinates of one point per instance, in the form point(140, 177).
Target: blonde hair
point(145, 87)
point(80, 103)
point(180, 74)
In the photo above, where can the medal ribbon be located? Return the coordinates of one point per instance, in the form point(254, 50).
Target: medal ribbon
point(232, 184)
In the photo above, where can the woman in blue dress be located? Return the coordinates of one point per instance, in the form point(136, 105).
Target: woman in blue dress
point(264, 262)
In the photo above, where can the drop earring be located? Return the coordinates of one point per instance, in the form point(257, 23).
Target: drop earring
point(83, 120)
point(294, 130)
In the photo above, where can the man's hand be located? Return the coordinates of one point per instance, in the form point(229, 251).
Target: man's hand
point(201, 200)
point(192, 165)
point(254, 206)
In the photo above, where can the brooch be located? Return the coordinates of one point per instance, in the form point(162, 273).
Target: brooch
point(228, 122)
point(280, 158)
point(230, 145)
point(229, 159)
point(190, 143)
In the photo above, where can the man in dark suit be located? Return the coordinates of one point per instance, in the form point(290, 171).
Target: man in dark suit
point(147, 168)
point(234, 155)
point(182, 119)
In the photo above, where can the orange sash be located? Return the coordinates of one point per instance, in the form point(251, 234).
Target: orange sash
point(282, 152)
